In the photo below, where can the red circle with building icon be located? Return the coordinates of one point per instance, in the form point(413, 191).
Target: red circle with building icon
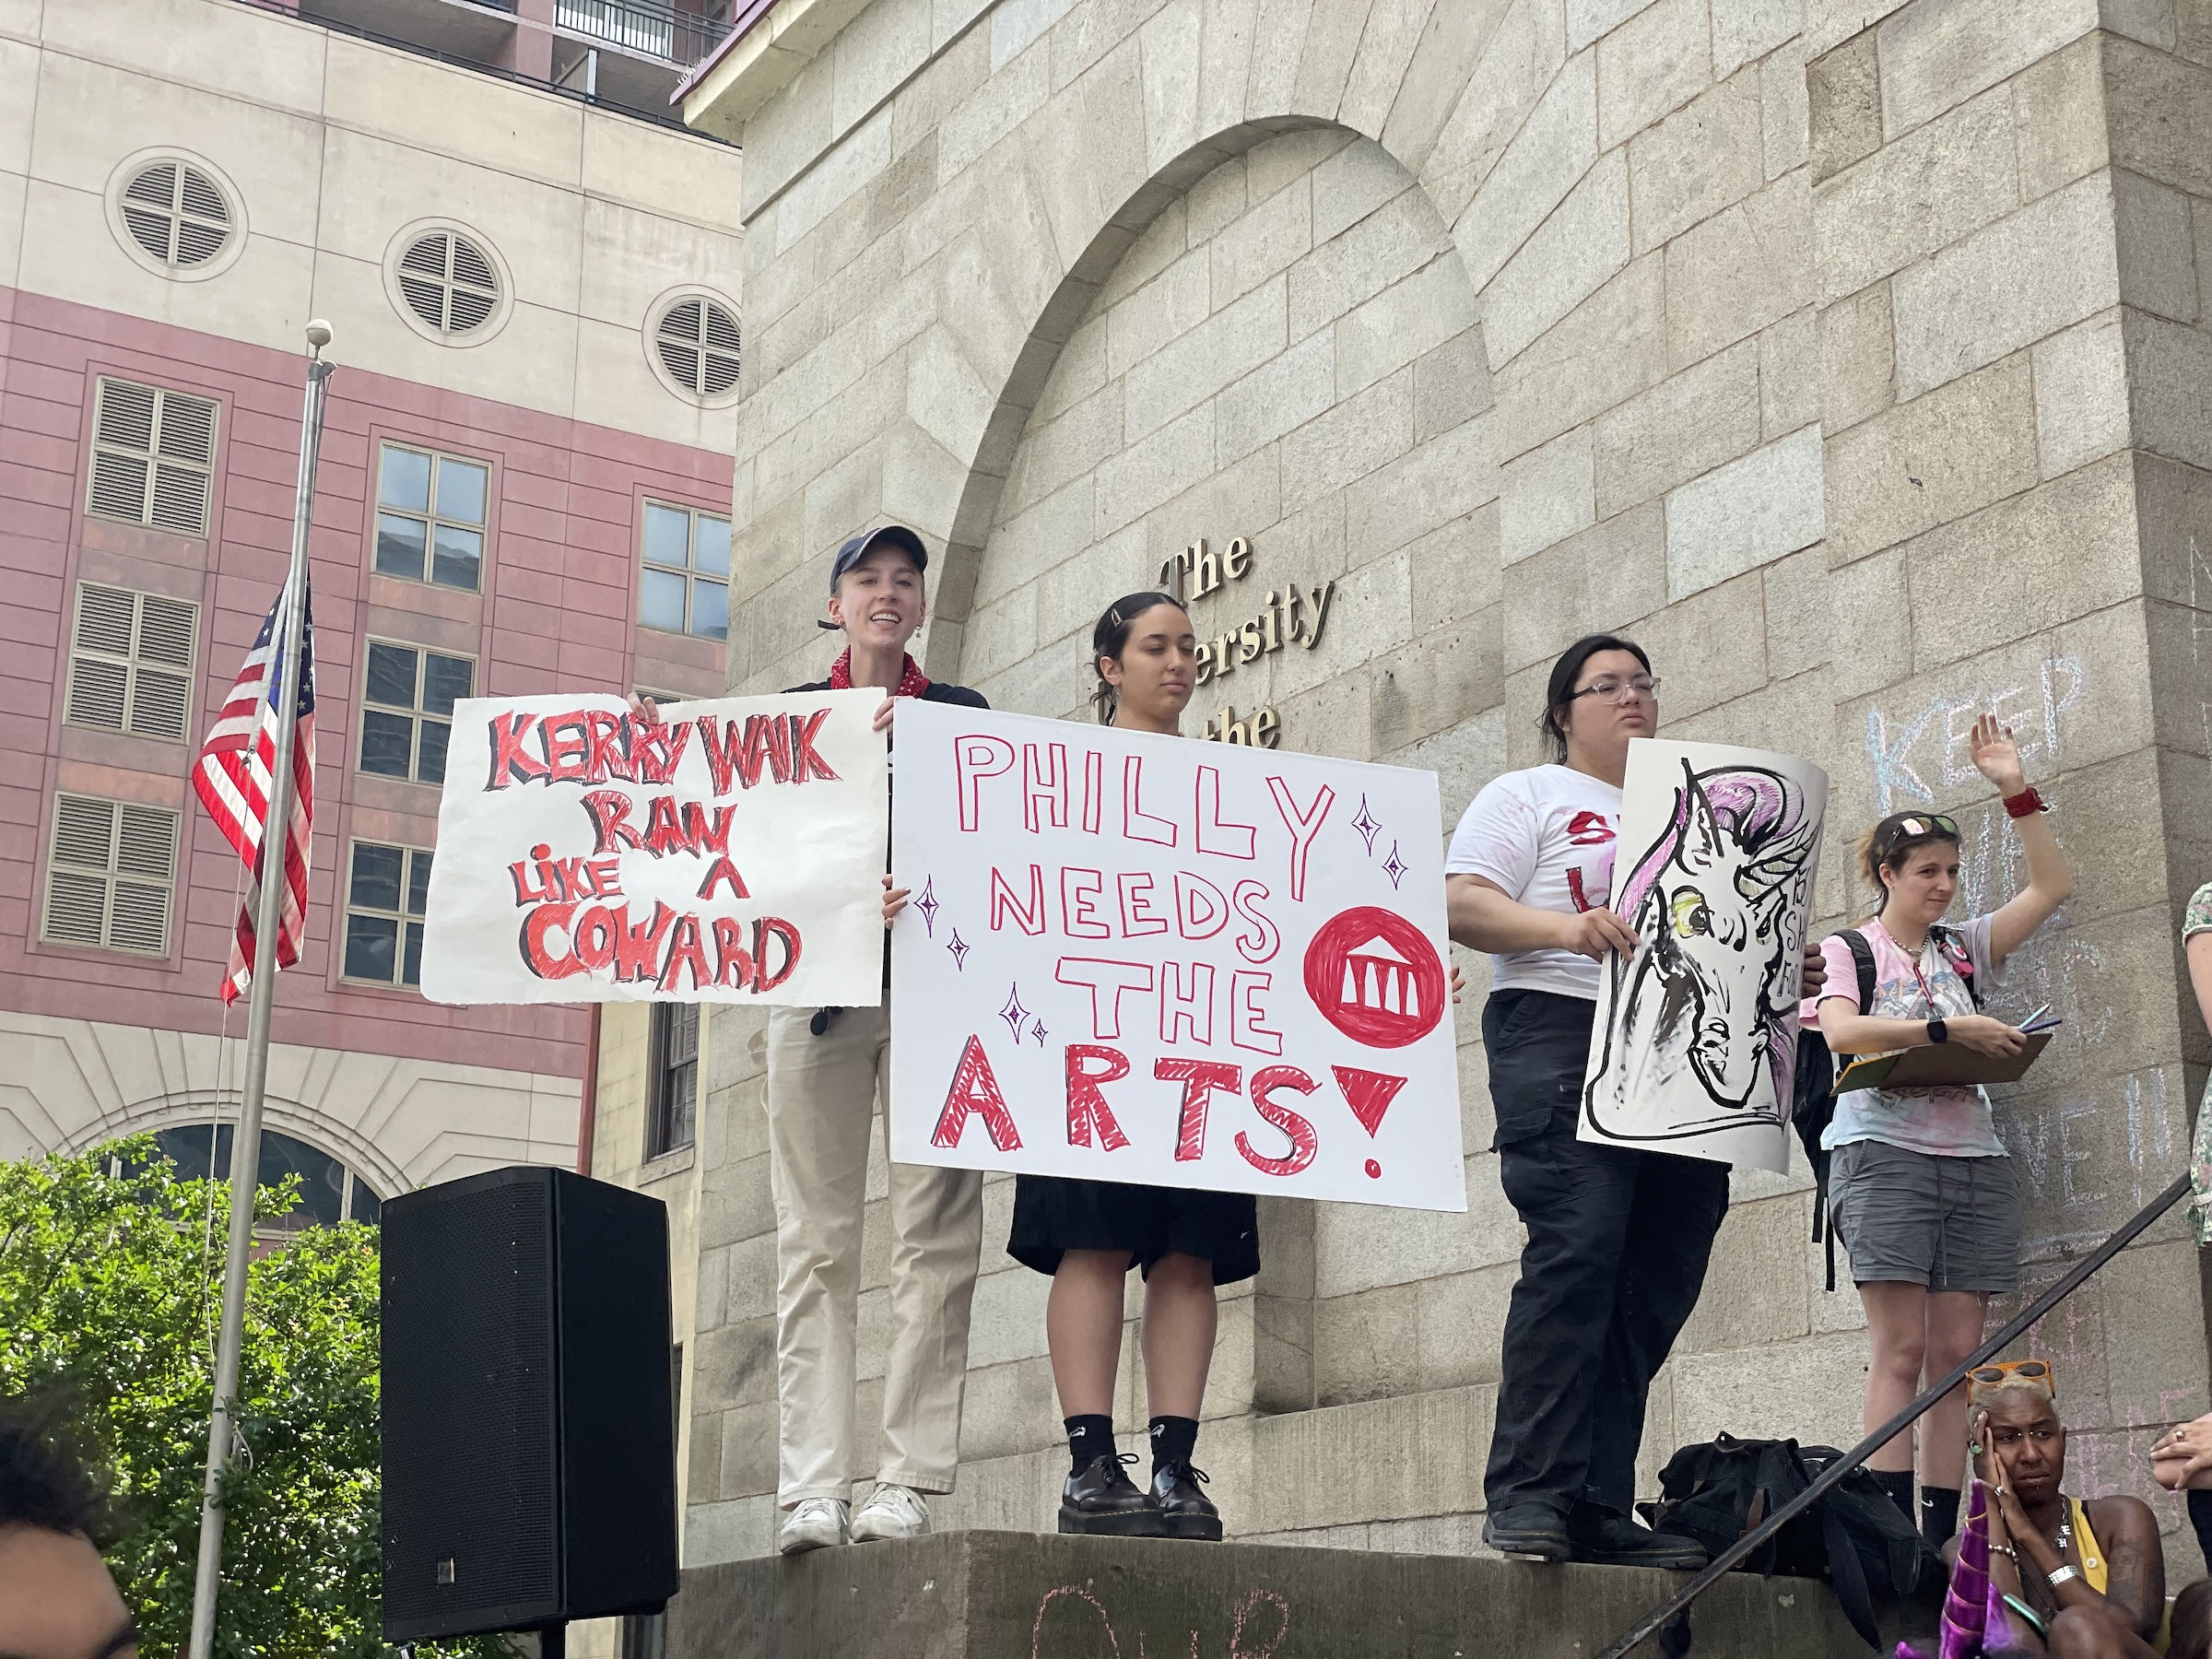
point(1375, 977)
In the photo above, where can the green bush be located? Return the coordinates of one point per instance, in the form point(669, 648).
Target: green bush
point(110, 1287)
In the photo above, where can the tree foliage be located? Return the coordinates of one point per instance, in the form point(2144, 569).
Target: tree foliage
point(111, 1287)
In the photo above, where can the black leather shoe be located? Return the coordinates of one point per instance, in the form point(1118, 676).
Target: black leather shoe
point(1616, 1541)
point(1184, 1510)
point(1526, 1529)
point(1100, 1499)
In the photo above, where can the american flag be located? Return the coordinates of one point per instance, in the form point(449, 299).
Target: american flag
point(233, 777)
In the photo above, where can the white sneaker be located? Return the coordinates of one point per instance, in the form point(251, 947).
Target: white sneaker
point(891, 1511)
point(814, 1523)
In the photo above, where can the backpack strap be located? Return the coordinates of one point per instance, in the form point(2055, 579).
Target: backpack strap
point(1861, 958)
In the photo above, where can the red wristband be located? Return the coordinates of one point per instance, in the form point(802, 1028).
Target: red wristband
point(2026, 802)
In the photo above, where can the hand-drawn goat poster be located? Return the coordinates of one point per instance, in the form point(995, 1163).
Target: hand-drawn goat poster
point(1695, 1046)
point(1177, 963)
point(733, 852)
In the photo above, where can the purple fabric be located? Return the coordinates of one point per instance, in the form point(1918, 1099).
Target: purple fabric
point(1976, 1622)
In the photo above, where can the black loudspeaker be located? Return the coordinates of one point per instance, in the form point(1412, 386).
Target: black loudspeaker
point(529, 1438)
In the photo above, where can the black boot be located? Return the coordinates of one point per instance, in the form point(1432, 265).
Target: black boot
point(1184, 1510)
point(1101, 1500)
point(1611, 1540)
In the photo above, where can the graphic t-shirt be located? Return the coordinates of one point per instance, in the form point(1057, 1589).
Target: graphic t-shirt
point(2196, 920)
point(1545, 838)
point(1952, 1121)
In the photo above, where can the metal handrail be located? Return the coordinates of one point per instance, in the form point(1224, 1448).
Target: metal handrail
point(1744, 1546)
point(334, 25)
point(652, 26)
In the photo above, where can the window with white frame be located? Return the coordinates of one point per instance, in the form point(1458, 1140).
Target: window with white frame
point(386, 890)
point(685, 585)
point(153, 456)
point(130, 662)
point(407, 707)
point(429, 517)
point(110, 876)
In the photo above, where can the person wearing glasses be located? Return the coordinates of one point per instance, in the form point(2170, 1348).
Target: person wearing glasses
point(1617, 1238)
point(2080, 1577)
point(1920, 1188)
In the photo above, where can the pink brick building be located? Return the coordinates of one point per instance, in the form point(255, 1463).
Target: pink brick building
point(526, 466)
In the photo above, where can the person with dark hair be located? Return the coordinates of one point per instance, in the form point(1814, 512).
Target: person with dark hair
point(1617, 1238)
point(1088, 1234)
point(827, 1070)
point(1920, 1189)
point(57, 1599)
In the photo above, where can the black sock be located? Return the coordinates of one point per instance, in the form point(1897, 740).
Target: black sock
point(1897, 1484)
point(1173, 1440)
point(1089, 1439)
point(1938, 1515)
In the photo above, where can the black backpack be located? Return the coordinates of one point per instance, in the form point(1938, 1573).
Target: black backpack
point(1814, 1104)
point(1855, 1537)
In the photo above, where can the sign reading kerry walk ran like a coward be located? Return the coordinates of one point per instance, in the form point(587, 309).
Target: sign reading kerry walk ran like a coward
point(731, 851)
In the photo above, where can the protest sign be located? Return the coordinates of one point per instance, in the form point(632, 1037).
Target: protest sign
point(1154, 959)
point(1695, 1045)
point(733, 852)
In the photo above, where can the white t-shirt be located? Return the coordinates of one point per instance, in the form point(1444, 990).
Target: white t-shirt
point(1545, 838)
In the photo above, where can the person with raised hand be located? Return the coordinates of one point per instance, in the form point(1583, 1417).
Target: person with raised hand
point(1920, 1188)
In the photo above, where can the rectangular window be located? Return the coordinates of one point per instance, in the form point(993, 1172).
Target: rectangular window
point(386, 894)
point(407, 707)
point(429, 517)
point(130, 662)
point(153, 457)
point(112, 875)
point(672, 1079)
point(685, 586)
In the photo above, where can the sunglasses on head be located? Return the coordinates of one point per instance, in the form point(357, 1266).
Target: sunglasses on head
point(1896, 832)
point(1999, 1373)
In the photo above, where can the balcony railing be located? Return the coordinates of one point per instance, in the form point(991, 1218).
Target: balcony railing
point(651, 27)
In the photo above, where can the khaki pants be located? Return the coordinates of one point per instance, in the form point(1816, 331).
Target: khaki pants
point(822, 1094)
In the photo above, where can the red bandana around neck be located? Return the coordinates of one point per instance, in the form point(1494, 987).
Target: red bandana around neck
point(911, 681)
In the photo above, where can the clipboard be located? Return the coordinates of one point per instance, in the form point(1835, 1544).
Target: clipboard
point(1939, 1064)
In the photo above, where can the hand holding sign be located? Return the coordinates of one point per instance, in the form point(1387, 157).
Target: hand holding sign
point(1143, 959)
point(725, 850)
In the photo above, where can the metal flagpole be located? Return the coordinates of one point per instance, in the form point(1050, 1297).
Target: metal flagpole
point(245, 1144)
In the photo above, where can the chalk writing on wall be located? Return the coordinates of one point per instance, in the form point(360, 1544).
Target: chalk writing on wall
point(1906, 752)
point(1068, 1614)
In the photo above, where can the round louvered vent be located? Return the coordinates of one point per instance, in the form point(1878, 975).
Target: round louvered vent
point(697, 341)
point(448, 282)
point(177, 214)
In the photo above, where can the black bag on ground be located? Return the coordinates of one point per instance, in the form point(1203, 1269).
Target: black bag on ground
point(1813, 1107)
point(1855, 1538)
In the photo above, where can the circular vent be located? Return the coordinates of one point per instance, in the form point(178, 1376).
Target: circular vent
point(177, 214)
point(448, 282)
point(698, 344)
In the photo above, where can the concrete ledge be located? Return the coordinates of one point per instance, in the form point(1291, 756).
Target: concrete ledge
point(1030, 1596)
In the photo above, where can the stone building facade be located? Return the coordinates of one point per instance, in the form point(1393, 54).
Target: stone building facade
point(1849, 353)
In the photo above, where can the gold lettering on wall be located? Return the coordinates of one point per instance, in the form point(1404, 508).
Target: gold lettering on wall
point(1295, 616)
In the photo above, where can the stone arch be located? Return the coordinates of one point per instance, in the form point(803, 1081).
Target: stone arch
point(291, 1117)
point(1315, 371)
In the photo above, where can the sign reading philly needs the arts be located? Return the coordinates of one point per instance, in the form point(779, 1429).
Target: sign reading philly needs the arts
point(1694, 1047)
point(731, 853)
point(1147, 959)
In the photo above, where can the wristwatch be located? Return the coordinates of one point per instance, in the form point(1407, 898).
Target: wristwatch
point(1938, 1032)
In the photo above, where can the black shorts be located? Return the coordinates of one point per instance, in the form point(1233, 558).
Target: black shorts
point(1055, 1213)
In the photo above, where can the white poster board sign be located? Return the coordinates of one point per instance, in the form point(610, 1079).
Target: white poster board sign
point(731, 853)
point(1695, 1046)
point(1177, 963)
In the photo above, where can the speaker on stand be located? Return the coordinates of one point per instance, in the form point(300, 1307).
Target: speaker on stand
point(529, 1438)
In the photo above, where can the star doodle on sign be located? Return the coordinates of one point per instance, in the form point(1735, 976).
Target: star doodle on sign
point(927, 904)
point(959, 948)
point(1394, 867)
point(1368, 825)
point(1038, 1032)
point(1014, 1014)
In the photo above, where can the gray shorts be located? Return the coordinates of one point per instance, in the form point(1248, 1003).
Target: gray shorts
point(1948, 1223)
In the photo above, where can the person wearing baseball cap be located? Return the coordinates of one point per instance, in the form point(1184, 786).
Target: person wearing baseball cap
point(827, 1070)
